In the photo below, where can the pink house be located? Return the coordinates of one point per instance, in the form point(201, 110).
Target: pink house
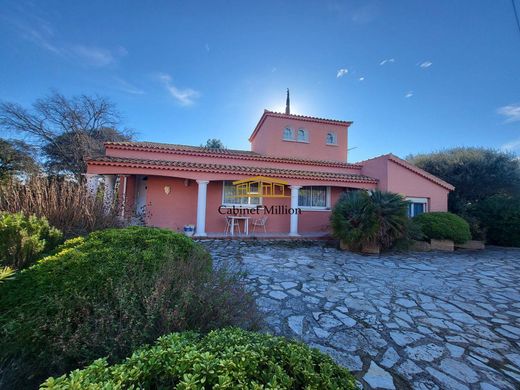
point(306, 157)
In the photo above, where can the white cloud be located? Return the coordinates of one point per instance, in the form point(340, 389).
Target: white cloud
point(127, 87)
point(92, 55)
point(511, 112)
point(386, 61)
point(408, 94)
point(511, 146)
point(207, 47)
point(341, 72)
point(41, 33)
point(361, 79)
point(425, 64)
point(185, 97)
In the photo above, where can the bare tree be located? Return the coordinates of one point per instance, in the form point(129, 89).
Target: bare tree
point(67, 131)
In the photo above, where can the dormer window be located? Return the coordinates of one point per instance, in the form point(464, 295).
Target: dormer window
point(332, 139)
point(303, 135)
point(288, 134)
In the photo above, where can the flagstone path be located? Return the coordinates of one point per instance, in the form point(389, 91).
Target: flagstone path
point(398, 321)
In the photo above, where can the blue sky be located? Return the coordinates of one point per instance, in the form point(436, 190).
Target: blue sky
point(414, 76)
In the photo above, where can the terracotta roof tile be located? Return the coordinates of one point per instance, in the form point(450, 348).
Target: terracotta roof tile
point(241, 154)
point(223, 168)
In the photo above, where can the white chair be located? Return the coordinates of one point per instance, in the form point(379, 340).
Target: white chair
point(259, 222)
point(227, 230)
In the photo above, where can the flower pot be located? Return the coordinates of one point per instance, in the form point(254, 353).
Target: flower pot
point(471, 245)
point(442, 245)
point(372, 249)
point(189, 230)
point(420, 246)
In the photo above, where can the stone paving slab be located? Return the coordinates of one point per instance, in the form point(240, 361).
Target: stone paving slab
point(397, 321)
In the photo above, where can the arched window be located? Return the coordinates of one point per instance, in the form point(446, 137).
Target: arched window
point(331, 138)
point(288, 134)
point(302, 135)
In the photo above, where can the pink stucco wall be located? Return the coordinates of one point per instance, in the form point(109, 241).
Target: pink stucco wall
point(269, 141)
point(397, 178)
point(404, 181)
point(179, 208)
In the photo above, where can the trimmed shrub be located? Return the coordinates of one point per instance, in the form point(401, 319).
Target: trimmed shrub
point(24, 239)
point(224, 359)
point(360, 218)
point(109, 293)
point(444, 226)
point(499, 215)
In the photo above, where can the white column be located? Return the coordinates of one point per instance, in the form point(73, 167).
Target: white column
point(294, 205)
point(123, 195)
point(200, 228)
point(108, 197)
point(92, 183)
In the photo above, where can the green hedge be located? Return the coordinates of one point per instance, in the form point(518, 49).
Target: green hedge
point(24, 239)
point(224, 359)
point(109, 293)
point(499, 216)
point(444, 226)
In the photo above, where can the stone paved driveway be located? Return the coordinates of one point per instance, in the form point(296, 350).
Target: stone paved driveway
point(415, 320)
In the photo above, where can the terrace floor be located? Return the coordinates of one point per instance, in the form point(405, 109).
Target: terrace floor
point(404, 321)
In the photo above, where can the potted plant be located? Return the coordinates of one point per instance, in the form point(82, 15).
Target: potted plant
point(369, 221)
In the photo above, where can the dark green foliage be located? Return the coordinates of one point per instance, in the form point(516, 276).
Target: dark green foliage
point(360, 218)
point(16, 157)
point(109, 293)
point(500, 215)
point(214, 143)
point(24, 239)
point(224, 359)
point(476, 173)
point(444, 226)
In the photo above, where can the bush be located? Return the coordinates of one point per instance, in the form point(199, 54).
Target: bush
point(444, 226)
point(23, 239)
point(360, 218)
point(229, 358)
point(500, 218)
point(109, 293)
point(66, 204)
point(6, 274)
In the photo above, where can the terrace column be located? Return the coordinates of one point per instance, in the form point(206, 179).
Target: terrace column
point(108, 196)
point(294, 205)
point(92, 183)
point(123, 194)
point(200, 228)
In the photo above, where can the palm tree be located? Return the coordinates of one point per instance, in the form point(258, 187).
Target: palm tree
point(362, 218)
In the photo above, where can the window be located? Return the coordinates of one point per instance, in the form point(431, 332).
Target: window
point(314, 197)
point(229, 197)
point(288, 134)
point(302, 135)
point(331, 139)
point(417, 206)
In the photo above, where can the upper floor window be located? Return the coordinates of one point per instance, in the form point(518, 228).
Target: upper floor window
point(288, 134)
point(332, 139)
point(303, 135)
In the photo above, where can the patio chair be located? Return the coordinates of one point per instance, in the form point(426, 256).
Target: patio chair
point(259, 222)
point(227, 230)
